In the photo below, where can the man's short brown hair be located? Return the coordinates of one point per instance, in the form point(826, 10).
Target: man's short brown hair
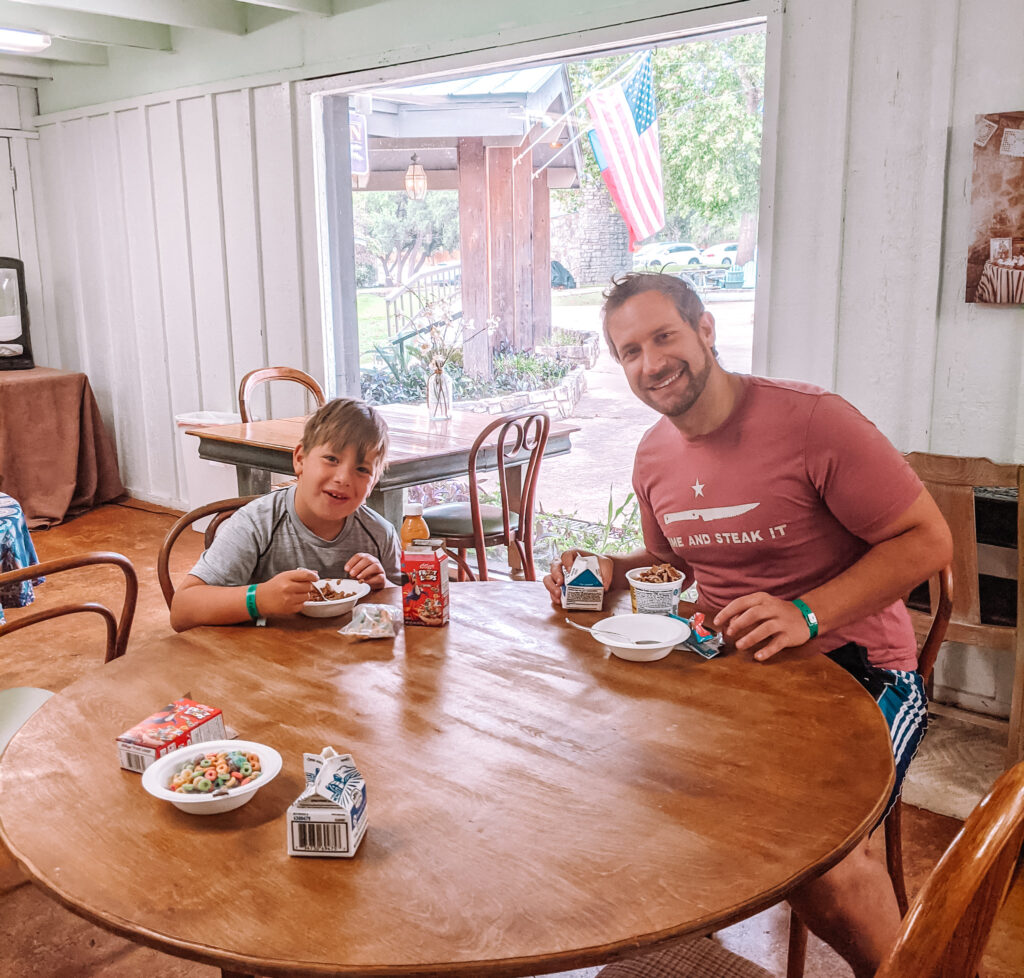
point(623, 288)
point(348, 421)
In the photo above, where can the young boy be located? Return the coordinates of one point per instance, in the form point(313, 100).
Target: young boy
point(284, 540)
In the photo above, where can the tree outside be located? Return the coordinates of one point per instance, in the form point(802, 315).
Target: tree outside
point(710, 100)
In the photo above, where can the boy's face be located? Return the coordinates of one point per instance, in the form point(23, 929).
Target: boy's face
point(332, 485)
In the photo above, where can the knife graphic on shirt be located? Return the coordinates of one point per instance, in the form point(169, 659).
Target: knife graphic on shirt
point(711, 513)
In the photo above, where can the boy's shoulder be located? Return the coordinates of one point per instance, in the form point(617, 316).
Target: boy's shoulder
point(373, 523)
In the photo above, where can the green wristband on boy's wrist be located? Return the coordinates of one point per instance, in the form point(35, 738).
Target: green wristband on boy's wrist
point(809, 616)
point(250, 602)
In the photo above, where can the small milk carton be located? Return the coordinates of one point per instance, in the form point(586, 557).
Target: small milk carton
point(582, 589)
point(425, 584)
point(178, 724)
point(329, 817)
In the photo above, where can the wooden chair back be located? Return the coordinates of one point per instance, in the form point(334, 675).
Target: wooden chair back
point(948, 924)
point(263, 375)
point(952, 480)
point(504, 442)
point(220, 511)
point(118, 627)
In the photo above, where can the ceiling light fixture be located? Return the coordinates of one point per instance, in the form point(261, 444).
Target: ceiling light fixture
point(416, 180)
point(23, 42)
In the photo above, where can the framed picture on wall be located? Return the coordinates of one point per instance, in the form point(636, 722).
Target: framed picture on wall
point(995, 269)
point(999, 249)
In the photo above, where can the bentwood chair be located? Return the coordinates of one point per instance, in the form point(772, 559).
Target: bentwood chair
point(508, 441)
point(942, 586)
point(947, 926)
point(980, 568)
point(19, 703)
point(220, 511)
point(263, 375)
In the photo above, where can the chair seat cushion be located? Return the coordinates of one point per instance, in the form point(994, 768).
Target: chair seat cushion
point(456, 520)
point(16, 706)
point(702, 958)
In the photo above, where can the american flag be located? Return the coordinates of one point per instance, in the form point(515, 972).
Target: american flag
point(625, 144)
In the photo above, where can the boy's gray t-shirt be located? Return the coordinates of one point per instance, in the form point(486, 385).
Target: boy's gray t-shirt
point(266, 537)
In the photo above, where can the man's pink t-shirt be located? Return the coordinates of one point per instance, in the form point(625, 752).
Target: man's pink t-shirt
point(787, 493)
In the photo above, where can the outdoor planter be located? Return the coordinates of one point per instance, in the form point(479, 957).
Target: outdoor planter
point(585, 351)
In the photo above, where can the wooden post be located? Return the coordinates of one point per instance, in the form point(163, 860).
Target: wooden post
point(523, 245)
point(501, 244)
point(541, 259)
point(473, 250)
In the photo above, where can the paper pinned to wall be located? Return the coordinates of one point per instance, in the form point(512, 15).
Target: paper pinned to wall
point(983, 129)
point(1013, 142)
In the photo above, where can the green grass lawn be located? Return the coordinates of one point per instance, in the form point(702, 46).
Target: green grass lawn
point(373, 324)
point(577, 297)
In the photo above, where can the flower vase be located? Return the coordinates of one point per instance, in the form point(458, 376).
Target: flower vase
point(439, 395)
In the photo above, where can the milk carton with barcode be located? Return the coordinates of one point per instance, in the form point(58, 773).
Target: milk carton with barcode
point(583, 589)
point(329, 817)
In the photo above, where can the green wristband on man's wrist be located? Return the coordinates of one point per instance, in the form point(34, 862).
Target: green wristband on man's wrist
point(809, 616)
point(250, 602)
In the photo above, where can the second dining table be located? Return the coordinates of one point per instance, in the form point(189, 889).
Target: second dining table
point(421, 451)
point(534, 802)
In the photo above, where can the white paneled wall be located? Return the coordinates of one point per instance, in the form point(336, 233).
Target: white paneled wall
point(177, 259)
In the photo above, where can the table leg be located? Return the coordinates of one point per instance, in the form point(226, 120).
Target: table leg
point(252, 482)
point(388, 503)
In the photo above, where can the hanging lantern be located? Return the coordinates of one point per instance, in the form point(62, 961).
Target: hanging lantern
point(416, 180)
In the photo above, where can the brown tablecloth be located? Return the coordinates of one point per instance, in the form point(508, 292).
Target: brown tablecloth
point(56, 457)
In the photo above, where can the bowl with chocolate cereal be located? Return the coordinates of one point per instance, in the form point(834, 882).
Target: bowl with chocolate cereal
point(655, 590)
point(332, 596)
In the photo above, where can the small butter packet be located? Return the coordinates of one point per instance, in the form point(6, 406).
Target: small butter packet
point(582, 589)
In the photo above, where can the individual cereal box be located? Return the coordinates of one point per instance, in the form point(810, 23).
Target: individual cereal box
point(329, 817)
point(178, 724)
point(425, 584)
point(582, 589)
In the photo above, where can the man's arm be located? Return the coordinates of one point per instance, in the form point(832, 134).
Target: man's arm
point(909, 550)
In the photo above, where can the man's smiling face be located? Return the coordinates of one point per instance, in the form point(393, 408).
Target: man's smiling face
point(667, 362)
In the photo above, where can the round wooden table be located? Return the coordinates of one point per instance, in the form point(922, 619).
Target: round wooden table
point(534, 803)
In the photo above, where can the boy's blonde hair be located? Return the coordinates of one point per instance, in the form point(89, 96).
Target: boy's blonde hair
point(348, 421)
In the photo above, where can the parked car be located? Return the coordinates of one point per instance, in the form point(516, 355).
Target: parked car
point(720, 254)
point(643, 254)
point(679, 253)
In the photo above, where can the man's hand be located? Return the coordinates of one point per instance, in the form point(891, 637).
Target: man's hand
point(759, 617)
point(285, 593)
point(366, 568)
point(553, 581)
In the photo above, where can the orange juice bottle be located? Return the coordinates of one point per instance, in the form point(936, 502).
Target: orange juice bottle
point(414, 526)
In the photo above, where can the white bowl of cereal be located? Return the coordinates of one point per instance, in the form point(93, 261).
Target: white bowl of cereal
point(336, 596)
point(655, 590)
point(212, 777)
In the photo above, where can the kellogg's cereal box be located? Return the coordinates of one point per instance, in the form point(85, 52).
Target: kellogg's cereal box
point(178, 724)
point(425, 584)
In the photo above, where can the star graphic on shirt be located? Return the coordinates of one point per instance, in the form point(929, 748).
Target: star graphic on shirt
point(698, 489)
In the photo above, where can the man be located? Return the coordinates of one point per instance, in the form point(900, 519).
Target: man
point(802, 525)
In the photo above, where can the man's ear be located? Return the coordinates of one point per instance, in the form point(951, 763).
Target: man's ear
point(706, 327)
point(297, 459)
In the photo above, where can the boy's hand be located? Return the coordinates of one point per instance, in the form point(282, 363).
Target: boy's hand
point(364, 567)
point(285, 593)
point(553, 581)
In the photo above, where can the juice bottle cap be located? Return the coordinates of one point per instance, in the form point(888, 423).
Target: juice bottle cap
point(413, 509)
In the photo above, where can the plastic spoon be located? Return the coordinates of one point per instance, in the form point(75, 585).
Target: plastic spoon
point(607, 631)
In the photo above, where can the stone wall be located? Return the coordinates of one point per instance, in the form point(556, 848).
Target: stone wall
point(593, 241)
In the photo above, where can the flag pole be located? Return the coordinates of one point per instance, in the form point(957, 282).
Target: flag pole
point(579, 135)
point(606, 83)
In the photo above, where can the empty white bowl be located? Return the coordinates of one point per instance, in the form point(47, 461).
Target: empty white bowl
point(328, 609)
point(618, 631)
point(157, 777)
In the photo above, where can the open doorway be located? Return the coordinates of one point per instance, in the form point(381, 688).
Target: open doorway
point(518, 229)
